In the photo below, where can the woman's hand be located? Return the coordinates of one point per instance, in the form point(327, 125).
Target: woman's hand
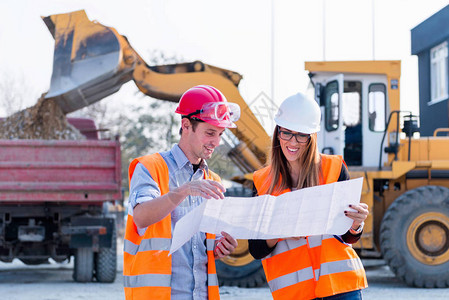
point(359, 215)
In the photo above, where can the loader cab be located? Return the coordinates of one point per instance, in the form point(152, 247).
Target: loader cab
point(354, 108)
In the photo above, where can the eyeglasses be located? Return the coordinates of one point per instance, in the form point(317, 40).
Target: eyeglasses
point(218, 111)
point(287, 136)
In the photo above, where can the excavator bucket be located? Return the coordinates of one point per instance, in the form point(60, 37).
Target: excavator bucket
point(87, 63)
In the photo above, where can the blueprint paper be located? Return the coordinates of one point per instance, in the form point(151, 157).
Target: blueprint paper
point(310, 211)
point(186, 227)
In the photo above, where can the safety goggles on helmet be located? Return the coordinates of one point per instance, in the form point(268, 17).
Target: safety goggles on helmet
point(217, 111)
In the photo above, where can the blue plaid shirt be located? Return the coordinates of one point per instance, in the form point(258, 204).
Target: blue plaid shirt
point(189, 263)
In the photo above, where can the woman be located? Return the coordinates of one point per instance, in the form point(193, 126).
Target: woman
point(309, 267)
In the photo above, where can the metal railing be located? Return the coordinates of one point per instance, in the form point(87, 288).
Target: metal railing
point(393, 148)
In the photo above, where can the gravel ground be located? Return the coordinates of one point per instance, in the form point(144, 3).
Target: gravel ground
point(54, 282)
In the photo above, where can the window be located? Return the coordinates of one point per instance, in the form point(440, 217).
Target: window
point(377, 107)
point(332, 102)
point(351, 109)
point(438, 73)
point(351, 102)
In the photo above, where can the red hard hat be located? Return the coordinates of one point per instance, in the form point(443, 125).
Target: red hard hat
point(208, 104)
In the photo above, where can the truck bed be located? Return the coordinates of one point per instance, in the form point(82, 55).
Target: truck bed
point(34, 171)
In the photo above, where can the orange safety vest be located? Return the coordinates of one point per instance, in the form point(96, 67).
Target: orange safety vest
point(147, 267)
point(317, 266)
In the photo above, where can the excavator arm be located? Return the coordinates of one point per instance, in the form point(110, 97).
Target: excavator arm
point(92, 61)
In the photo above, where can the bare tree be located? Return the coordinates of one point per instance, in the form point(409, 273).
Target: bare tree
point(14, 93)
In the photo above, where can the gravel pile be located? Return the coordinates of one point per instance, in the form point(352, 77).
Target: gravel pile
point(44, 121)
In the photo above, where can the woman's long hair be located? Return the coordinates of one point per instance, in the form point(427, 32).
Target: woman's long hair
point(309, 161)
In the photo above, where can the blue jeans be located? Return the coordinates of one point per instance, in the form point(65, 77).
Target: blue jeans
point(354, 295)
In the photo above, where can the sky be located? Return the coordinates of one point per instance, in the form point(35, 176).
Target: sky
point(266, 41)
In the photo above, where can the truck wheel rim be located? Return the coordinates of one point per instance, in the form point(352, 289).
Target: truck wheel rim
point(428, 238)
point(240, 256)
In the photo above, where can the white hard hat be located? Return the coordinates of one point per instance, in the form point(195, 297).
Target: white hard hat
point(299, 113)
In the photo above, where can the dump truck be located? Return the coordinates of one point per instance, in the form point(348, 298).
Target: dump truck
point(54, 198)
point(406, 177)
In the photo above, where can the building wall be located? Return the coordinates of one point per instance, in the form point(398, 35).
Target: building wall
point(425, 36)
point(431, 116)
point(431, 32)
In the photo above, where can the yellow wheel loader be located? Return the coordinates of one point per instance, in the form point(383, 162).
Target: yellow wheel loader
point(406, 176)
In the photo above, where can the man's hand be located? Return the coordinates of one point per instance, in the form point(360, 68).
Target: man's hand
point(151, 212)
point(225, 246)
point(203, 188)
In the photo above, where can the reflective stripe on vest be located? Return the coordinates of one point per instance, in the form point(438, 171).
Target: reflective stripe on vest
point(212, 279)
point(318, 266)
point(328, 268)
point(291, 279)
point(314, 241)
point(147, 280)
point(147, 245)
point(147, 266)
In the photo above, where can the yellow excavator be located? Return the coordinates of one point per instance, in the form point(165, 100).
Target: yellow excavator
point(92, 61)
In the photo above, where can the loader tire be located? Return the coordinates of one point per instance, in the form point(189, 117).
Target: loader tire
point(106, 261)
point(414, 237)
point(247, 276)
point(35, 261)
point(84, 265)
point(240, 268)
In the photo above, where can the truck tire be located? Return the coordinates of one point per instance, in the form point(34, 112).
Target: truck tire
point(240, 268)
point(414, 237)
point(84, 265)
point(106, 261)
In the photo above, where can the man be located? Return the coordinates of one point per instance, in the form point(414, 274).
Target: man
point(166, 186)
